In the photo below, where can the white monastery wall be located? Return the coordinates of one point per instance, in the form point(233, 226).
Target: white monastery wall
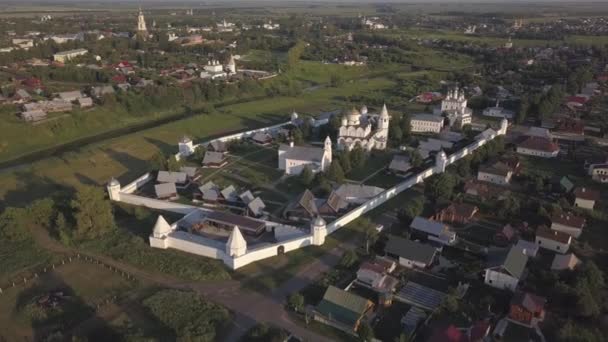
point(136, 184)
point(157, 204)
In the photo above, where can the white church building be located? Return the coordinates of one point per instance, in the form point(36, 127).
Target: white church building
point(357, 128)
point(293, 158)
point(455, 107)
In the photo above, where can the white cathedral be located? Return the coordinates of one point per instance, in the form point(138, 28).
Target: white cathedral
point(455, 107)
point(359, 128)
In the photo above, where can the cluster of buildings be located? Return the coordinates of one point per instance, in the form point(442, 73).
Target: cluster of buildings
point(453, 112)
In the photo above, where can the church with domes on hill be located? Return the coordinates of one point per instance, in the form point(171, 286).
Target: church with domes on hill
point(360, 128)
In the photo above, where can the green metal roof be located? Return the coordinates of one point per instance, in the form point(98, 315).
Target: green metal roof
point(342, 306)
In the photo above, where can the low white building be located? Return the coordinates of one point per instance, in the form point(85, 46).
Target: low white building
point(585, 197)
point(553, 240)
point(599, 172)
point(426, 123)
point(505, 270)
point(65, 56)
point(538, 147)
point(293, 159)
point(499, 112)
point(497, 173)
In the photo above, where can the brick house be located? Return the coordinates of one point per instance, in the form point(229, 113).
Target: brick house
point(527, 309)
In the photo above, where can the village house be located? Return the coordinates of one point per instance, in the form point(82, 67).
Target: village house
point(293, 159)
point(426, 123)
point(262, 138)
point(101, 91)
point(568, 223)
point(409, 253)
point(180, 179)
point(70, 96)
point(485, 190)
point(553, 240)
point(255, 208)
point(400, 165)
point(343, 310)
point(33, 115)
point(538, 147)
point(426, 147)
point(505, 270)
point(166, 191)
point(565, 262)
point(499, 112)
point(527, 309)
point(214, 159)
point(432, 231)
point(85, 102)
point(227, 221)
point(460, 213)
point(497, 173)
point(585, 197)
point(528, 248)
point(477, 332)
point(376, 275)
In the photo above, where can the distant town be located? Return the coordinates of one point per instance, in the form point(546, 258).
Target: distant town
point(304, 172)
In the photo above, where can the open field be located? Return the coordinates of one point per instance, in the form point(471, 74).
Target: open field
point(85, 284)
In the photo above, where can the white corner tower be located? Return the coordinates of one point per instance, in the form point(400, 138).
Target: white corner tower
point(231, 65)
point(186, 147)
point(383, 120)
point(161, 228)
point(441, 162)
point(504, 125)
point(113, 188)
point(327, 155)
point(236, 245)
point(319, 231)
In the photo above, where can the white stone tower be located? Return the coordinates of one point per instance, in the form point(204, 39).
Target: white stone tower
point(319, 231)
point(504, 124)
point(231, 65)
point(186, 147)
point(113, 188)
point(236, 245)
point(327, 155)
point(383, 121)
point(142, 30)
point(441, 162)
point(294, 117)
point(161, 228)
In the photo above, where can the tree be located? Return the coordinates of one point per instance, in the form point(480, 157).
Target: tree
point(406, 126)
point(415, 158)
point(296, 301)
point(439, 187)
point(298, 136)
point(174, 164)
point(451, 302)
point(468, 131)
point(335, 172)
point(522, 113)
point(349, 258)
point(586, 303)
point(199, 152)
point(365, 332)
point(159, 161)
point(324, 187)
point(306, 176)
point(412, 208)
point(344, 159)
point(13, 225)
point(395, 135)
point(357, 157)
point(92, 213)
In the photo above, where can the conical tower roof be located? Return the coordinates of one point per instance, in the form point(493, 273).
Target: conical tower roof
point(384, 111)
point(161, 228)
point(236, 241)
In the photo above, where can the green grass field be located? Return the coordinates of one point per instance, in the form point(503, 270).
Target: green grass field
point(85, 283)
